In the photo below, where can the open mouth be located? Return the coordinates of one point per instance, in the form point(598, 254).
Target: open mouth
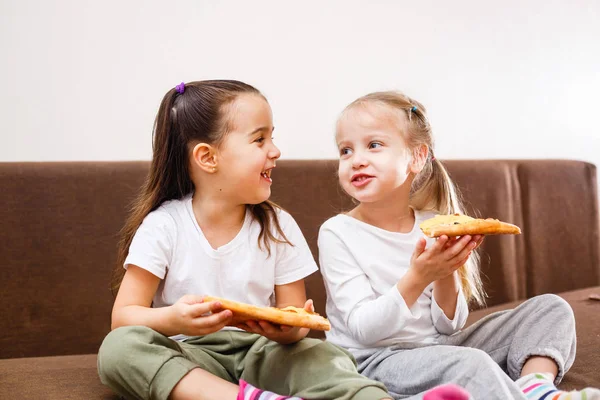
point(361, 179)
point(266, 174)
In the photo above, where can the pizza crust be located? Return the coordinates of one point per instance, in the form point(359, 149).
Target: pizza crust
point(460, 225)
point(292, 316)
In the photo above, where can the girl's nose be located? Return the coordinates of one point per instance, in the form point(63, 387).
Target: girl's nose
point(358, 160)
point(274, 152)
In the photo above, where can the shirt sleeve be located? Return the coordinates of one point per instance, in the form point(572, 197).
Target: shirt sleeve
point(369, 318)
point(294, 262)
point(445, 325)
point(153, 243)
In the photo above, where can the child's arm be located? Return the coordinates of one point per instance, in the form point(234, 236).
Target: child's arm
point(446, 289)
point(449, 308)
point(369, 317)
point(133, 307)
point(445, 294)
point(291, 294)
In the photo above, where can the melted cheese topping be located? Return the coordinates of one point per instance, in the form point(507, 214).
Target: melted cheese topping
point(442, 220)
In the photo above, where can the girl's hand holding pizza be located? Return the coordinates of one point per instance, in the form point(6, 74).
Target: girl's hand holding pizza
point(283, 334)
point(192, 316)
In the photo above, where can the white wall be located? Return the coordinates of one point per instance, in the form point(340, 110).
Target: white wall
point(82, 80)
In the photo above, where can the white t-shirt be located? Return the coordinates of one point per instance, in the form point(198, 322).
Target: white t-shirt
point(170, 244)
point(361, 265)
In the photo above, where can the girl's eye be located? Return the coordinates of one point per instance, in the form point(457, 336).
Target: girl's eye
point(260, 140)
point(374, 145)
point(345, 151)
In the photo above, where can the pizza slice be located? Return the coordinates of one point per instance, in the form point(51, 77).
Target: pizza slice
point(292, 316)
point(459, 225)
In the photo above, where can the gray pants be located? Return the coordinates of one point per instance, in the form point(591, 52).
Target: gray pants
point(485, 358)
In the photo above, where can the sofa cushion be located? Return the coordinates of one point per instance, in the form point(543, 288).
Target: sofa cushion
point(76, 377)
point(59, 377)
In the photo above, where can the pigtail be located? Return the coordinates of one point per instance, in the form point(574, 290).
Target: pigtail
point(168, 178)
point(434, 190)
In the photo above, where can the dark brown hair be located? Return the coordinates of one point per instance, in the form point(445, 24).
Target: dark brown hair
point(198, 115)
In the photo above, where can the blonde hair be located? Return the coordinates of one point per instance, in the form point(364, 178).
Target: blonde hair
point(432, 189)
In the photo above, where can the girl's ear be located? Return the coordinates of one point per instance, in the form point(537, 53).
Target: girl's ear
point(419, 158)
point(205, 157)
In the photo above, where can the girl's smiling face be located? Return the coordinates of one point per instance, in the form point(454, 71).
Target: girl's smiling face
point(248, 154)
point(375, 161)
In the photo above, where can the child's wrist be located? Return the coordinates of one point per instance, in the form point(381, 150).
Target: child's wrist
point(414, 278)
point(169, 316)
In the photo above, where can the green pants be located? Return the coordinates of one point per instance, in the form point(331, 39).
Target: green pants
point(140, 363)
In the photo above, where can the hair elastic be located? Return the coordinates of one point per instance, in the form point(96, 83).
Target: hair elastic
point(180, 88)
point(413, 109)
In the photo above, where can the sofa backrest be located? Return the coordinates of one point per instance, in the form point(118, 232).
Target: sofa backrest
point(60, 224)
point(553, 201)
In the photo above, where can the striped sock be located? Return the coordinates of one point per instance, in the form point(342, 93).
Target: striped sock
point(249, 392)
point(541, 387)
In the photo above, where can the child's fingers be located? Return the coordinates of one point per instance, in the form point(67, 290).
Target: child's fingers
point(217, 327)
point(419, 247)
point(439, 244)
point(465, 252)
point(199, 309)
point(309, 306)
point(268, 328)
point(254, 326)
point(243, 326)
point(451, 241)
point(220, 318)
point(478, 239)
point(214, 306)
point(458, 247)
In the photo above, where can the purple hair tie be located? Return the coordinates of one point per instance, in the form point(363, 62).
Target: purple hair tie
point(180, 88)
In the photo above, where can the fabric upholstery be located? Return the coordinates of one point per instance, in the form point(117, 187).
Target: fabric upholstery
point(60, 225)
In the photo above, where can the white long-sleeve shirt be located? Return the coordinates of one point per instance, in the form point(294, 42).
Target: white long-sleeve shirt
point(361, 265)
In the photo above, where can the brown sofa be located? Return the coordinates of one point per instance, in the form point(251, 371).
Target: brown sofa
point(59, 231)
